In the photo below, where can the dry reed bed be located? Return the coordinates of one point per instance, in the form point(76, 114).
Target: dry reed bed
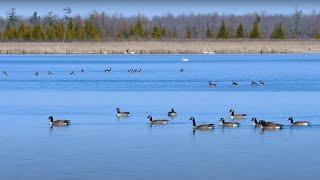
point(160, 47)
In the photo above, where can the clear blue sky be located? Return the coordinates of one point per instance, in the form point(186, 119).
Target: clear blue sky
point(159, 7)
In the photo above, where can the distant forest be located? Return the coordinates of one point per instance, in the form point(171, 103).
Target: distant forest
point(105, 27)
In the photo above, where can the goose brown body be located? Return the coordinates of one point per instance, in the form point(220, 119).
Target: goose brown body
point(157, 121)
point(58, 122)
point(202, 126)
point(228, 124)
point(122, 114)
point(298, 123)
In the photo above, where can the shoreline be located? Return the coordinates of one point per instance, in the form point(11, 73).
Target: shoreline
point(164, 47)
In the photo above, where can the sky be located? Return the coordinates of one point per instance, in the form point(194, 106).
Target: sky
point(159, 7)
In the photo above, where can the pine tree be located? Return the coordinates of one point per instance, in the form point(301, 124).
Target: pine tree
point(255, 33)
point(23, 32)
point(138, 30)
point(37, 34)
point(92, 33)
point(223, 32)
point(240, 31)
point(209, 32)
point(9, 33)
point(189, 33)
point(157, 32)
point(278, 32)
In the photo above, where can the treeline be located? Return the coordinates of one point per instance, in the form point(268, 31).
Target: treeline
point(102, 27)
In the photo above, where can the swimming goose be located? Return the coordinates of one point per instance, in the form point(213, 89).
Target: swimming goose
point(261, 83)
point(233, 115)
point(254, 83)
point(5, 74)
point(228, 124)
point(234, 83)
point(211, 84)
point(107, 70)
point(157, 121)
point(58, 122)
point(256, 123)
point(122, 114)
point(140, 70)
point(202, 126)
point(82, 70)
point(298, 123)
point(181, 70)
point(172, 113)
point(72, 73)
point(36, 74)
point(50, 73)
point(270, 126)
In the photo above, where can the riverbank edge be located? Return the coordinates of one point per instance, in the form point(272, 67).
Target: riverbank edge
point(163, 47)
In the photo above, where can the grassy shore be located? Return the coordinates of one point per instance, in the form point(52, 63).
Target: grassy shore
point(161, 47)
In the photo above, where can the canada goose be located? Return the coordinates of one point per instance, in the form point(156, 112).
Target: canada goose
point(298, 123)
point(234, 83)
point(202, 126)
point(58, 122)
point(254, 83)
point(50, 73)
point(172, 113)
point(82, 70)
point(36, 74)
point(130, 70)
point(72, 73)
point(228, 124)
point(233, 115)
point(211, 84)
point(256, 123)
point(107, 70)
point(261, 83)
point(270, 126)
point(122, 114)
point(5, 74)
point(157, 121)
point(181, 70)
point(140, 70)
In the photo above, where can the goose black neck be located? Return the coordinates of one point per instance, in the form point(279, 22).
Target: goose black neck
point(194, 122)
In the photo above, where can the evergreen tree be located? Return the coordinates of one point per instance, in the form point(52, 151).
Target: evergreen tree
point(37, 34)
point(92, 33)
point(138, 30)
point(223, 32)
point(240, 31)
point(209, 32)
point(23, 32)
point(255, 33)
point(278, 32)
point(189, 33)
point(157, 32)
point(9, 33)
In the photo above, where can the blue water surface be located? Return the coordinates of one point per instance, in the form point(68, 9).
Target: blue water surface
point(99, 146)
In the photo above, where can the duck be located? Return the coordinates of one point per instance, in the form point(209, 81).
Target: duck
point(5, 74)
point(58, 122)
point(270, 125)
point(298, 123)
point(122, 114)
point(234, 83)
point(233, 115)
point(254, 83)
point(261, 83)
point(211, 84)
point(107, 70)
point(228, 124)
point(157, 121)
point(202, 126)
point(172, 113)
point(50, 73)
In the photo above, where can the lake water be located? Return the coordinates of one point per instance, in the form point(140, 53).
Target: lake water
point(99, 146)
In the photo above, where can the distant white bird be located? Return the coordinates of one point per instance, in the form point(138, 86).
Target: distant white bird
point(184, 59)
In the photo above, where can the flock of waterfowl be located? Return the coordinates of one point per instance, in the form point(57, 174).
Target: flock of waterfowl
point(264, 125)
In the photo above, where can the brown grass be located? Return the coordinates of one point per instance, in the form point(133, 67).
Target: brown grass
point(160, 47)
